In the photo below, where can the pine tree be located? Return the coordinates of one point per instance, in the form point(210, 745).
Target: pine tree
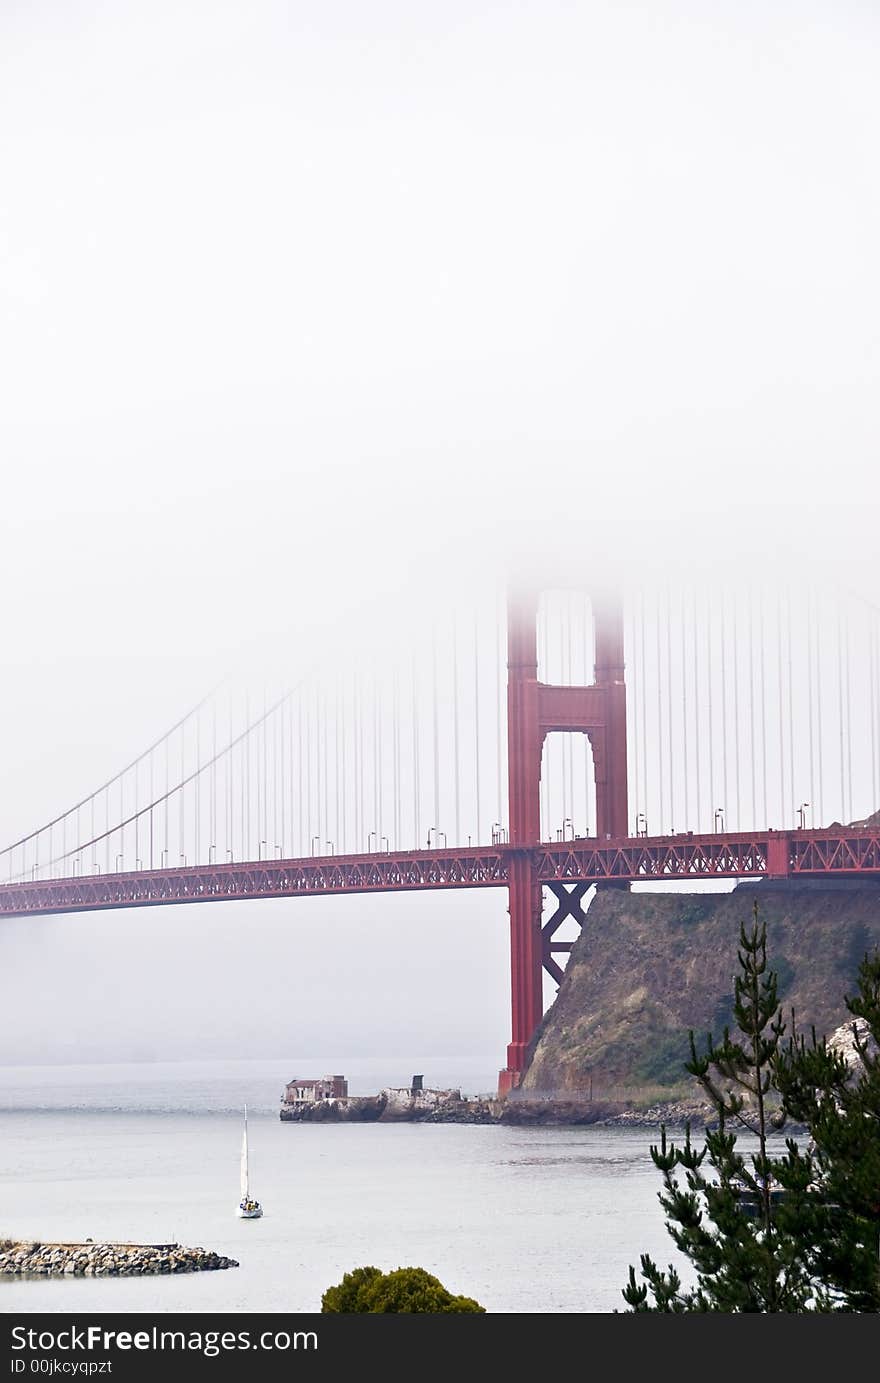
point(745, 1222)
point(841, 1108)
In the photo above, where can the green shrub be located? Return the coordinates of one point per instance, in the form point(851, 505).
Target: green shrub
point(343, 1299)
point(403, 1290)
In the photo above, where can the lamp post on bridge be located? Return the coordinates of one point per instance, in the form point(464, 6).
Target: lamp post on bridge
point(719, 816)
point(802, 815)
point(433, 830)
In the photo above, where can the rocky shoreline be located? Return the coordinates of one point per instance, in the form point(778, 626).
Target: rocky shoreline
point(30, 1258)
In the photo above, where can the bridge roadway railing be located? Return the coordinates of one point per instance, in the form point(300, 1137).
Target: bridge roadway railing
point(784, 854)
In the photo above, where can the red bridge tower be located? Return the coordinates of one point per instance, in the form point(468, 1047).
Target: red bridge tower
point(534, 710)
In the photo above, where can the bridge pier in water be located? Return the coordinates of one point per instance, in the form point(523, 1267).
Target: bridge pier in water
point(534, 710)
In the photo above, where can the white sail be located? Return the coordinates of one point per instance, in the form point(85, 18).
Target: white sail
point(245, 1191)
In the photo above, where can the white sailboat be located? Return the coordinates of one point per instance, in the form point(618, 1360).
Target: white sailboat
point(248, 1208)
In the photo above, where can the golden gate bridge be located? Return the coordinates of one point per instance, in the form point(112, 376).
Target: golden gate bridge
point(544, 743)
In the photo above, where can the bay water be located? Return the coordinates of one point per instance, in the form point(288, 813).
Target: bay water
point(538, 1220)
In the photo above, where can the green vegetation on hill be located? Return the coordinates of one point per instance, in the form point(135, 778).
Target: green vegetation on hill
point(648, 967)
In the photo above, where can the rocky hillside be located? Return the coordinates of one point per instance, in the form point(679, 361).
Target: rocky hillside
point(649, 966)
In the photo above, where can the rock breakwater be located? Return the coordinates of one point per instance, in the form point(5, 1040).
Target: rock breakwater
point(30, 1258)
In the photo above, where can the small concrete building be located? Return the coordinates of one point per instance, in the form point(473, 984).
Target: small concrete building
point(307, 1091)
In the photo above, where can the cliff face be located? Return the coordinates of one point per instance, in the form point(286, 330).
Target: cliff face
point(649, 966)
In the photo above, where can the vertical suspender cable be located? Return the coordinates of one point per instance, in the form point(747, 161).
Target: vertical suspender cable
point(214, 774)
point(841, 714)
point(752, 722)
point(435, 714)
point(375, 718)
point(820, 754)
point(670, 707)
point(643, 692)
point(762, 675)
point(659, 710)
point(724, 699)
point(710, 670)
point(197, 849)
point(684, 711)
point(810, 696)
point(587, 679)
point(360, 819)
point(635, 739)
point(181, 815)
point(872, 656)
point(455, 747)
point(283, 768)
point(698, 741)
point(342, 824)
point(568, 795)
point(479, 816)
point(229, 853)
point(377, 756)
point(152, 799)
point(274, 784)
point(561, 741)
point(395, 715)
point(791, 724)
point(544, 676)
point(499, 709)
point(541, 659)
point(318, 787)
point(264, 736)
point(281, 774)
point(273, 760)
point(736, 762)
point(309, 741)
point(246, 814)
point(417, 828)
point(849, 773)
point(780, 689)
point(300, 777)
point(326, 702)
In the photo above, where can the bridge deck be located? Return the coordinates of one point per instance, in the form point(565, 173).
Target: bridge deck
point(657, 859)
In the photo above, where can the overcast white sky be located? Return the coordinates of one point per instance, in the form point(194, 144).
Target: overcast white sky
point(309, 310)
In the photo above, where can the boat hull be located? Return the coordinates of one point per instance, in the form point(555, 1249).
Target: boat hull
point(249, 1214)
